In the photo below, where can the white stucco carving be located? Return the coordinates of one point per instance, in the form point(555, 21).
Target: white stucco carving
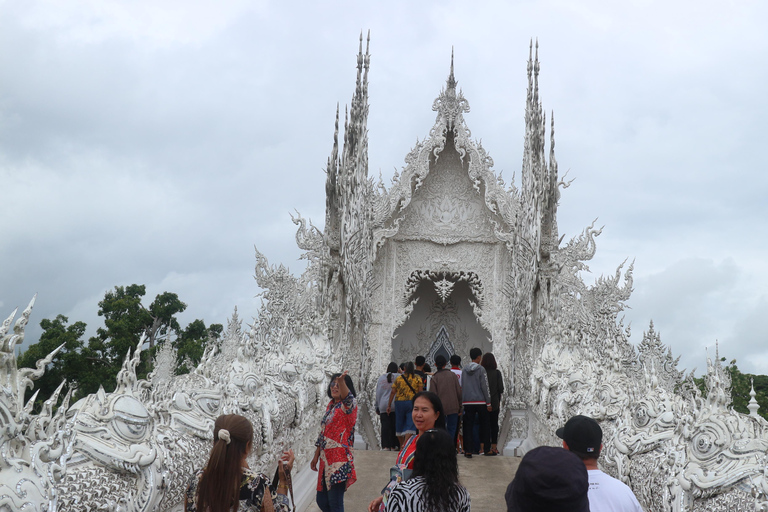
point(446, 258)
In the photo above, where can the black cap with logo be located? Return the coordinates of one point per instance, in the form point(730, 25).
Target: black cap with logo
point(582, 434)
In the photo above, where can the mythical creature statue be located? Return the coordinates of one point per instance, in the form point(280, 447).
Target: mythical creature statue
point(33, 447)
point(134, 449)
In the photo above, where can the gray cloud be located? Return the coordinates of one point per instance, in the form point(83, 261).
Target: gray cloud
point(156, 143)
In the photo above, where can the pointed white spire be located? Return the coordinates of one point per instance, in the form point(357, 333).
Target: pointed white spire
point(450, 83)
point(753, 405)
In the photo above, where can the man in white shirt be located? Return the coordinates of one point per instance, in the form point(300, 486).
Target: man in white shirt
point(584, 437)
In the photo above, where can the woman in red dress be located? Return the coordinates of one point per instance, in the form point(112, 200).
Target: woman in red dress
point(334, 445)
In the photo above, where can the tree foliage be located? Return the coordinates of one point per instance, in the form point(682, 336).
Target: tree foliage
point(66, 365)
point(126, 319)
point(191, 343)
point(741, 385)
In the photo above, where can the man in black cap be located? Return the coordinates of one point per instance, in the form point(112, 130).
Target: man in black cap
point(583, 436)
point(548, 480)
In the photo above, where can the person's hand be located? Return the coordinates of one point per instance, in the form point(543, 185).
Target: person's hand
point(287, 458)
point(341, 378)
point(313, 464)
point(389, 409)
point(375, 504)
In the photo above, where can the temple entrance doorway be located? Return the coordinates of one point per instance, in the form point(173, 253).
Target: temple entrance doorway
point(443, 319)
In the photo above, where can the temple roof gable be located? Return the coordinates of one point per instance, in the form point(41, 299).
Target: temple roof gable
point(501, 203)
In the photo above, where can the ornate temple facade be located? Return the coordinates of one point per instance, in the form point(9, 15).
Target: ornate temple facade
point(445, 258)
point(448, 257)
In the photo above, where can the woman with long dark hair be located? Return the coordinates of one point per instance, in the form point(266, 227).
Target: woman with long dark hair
point(496, 388)
point(434, 484)
point(427, 414)
point(404, 389)
point(333, 451)
point(383, 391)
point(227, 484)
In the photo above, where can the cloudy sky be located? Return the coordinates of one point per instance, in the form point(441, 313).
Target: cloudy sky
point(158, 142)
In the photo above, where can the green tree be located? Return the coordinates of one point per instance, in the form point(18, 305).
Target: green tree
point(741, 385)
point(125, 320)
point(191, 343)
point(67, 364)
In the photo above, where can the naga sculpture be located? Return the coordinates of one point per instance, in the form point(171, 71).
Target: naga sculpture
point(445, 258)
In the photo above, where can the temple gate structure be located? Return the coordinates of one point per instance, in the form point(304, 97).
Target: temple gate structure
point(445, 258)
point(448, 257)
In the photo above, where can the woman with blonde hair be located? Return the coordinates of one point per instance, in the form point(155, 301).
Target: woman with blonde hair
point(227, 484)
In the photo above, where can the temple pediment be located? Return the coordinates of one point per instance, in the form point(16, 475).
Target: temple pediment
point(448, 191)
point(447, 209)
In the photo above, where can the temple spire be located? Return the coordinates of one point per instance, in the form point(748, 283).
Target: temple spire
point(451, 82)
point(753, 405)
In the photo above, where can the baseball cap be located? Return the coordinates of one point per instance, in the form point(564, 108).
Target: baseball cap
point(582, 434)
point(549, 480)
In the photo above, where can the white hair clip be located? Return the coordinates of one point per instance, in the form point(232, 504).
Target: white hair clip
point(224, 435)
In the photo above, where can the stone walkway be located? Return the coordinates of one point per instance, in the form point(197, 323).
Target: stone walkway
point(486, 479)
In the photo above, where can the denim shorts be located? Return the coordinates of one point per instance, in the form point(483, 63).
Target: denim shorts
point(403, 418)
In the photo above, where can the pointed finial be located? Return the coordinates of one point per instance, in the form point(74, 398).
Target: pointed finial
point(753, 406)
point(451, 82)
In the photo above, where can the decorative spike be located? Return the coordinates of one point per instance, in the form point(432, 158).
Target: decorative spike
point(31, 402)
point(24, 318)
point(753, 405)
point(450, 82)
point(7, 322)
point(552, 133)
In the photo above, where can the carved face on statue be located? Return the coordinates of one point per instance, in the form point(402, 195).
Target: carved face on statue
point(114, 429)
point(195, 406)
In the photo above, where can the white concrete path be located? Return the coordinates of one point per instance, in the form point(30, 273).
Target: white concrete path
point(486, 479)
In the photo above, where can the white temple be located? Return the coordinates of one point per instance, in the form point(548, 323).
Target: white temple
point(446, 258)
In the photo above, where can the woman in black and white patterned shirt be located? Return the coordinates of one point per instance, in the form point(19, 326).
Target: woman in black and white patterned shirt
point(434, 485)
point(227, 484)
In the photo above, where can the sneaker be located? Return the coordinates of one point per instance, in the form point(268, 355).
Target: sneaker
point(468, 455)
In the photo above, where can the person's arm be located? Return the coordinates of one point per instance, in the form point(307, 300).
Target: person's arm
point(279, 501)
point(459, 396)
point(266, 503)
point(374, 505)
point(342, 382)
point(486, 388)
point(313, 464)
point(392, 395)
point(501, 382)
point(380, 390)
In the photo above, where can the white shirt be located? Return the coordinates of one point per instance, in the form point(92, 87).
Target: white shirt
point(607, 494)
point(457, 372)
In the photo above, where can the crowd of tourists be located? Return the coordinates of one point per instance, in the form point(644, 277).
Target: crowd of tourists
point(436, 416)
